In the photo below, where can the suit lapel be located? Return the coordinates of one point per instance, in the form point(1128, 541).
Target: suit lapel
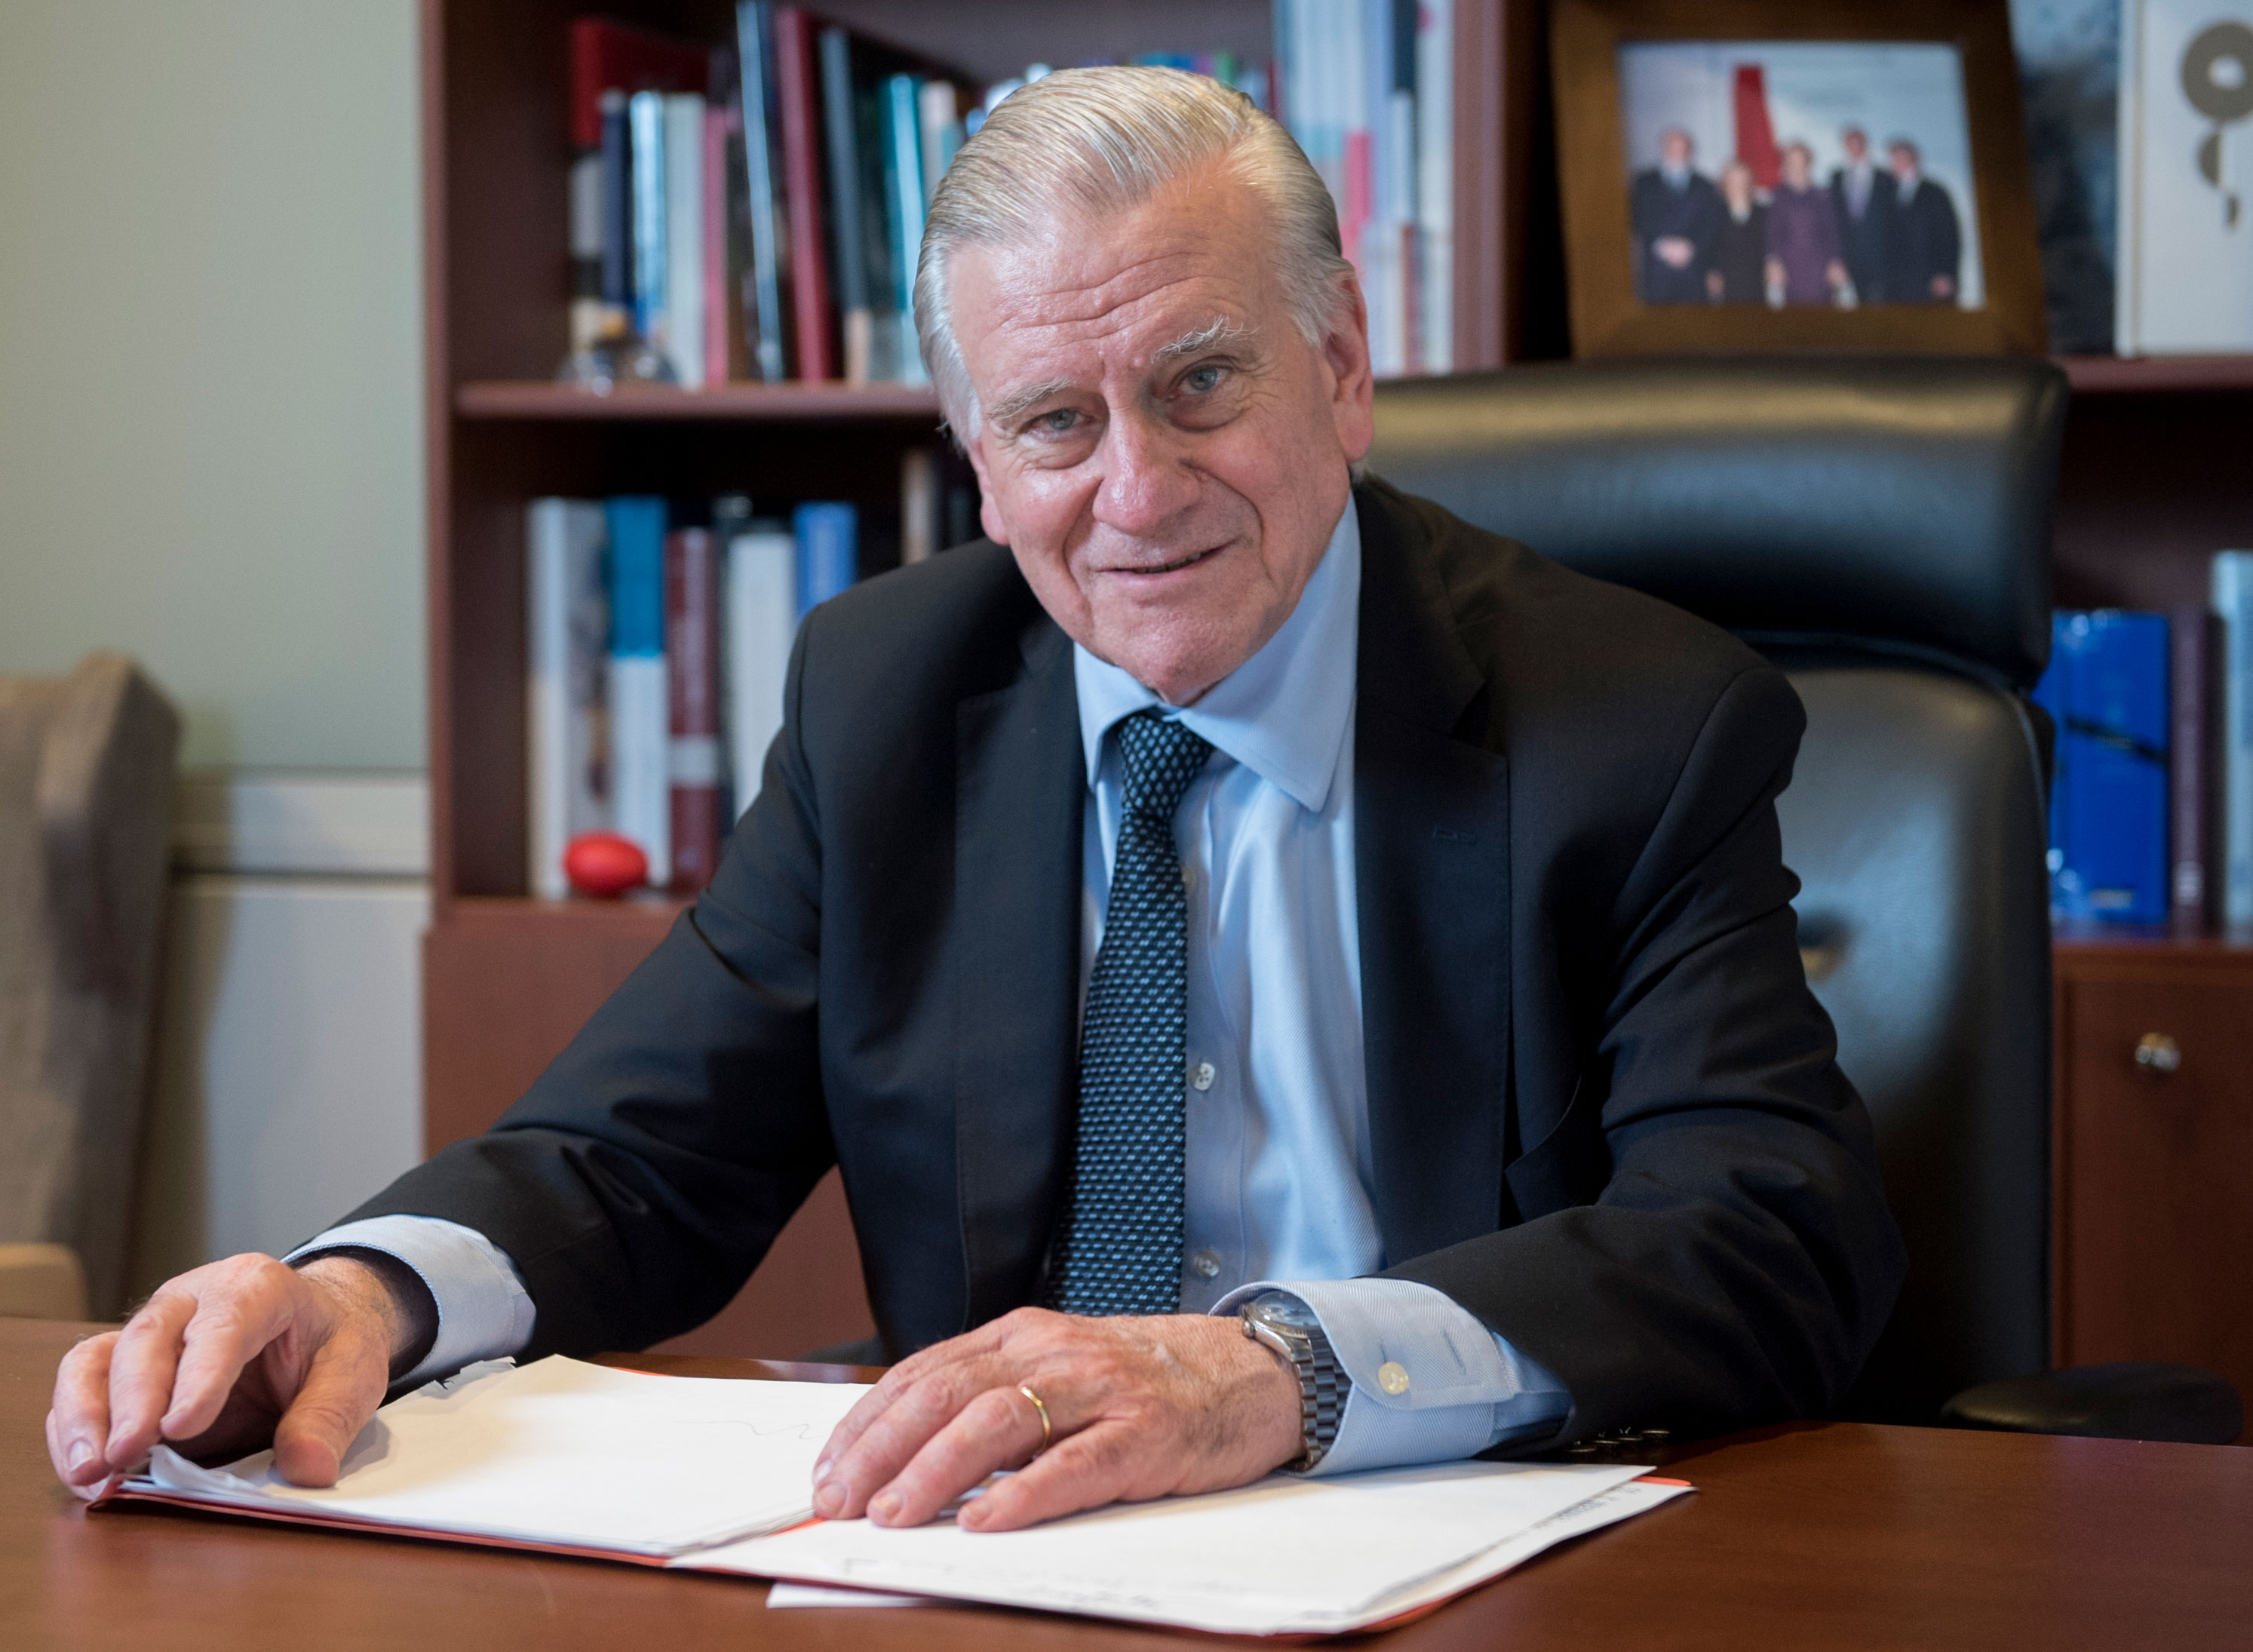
point(1020, 784)
point(1432, 863)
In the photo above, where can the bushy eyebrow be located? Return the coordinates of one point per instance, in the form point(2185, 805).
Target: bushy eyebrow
point(1006, 411)
point(1219, 331)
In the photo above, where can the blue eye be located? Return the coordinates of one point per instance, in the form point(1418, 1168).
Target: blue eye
point(1202, 381)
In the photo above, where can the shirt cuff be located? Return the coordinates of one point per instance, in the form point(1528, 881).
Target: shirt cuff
point(1462, 1389)
point(484, 1310)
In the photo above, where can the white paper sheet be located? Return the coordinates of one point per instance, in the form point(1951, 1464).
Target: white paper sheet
point(1284, 1555)
point(785, 1596)
point(563, 1452)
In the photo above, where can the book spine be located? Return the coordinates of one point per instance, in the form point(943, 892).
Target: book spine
point(641, 776)
point(755, 38)
point(567, 786)
point(762, 621)
point(719, 311)
point(692, 647)
point(1435, 183)
point(617, 207)
point(799, 103)
point(645, 120)
point(905, 186)
point(2194, 775)
point(2233, 603)
point(938, 131)
point(847, 210)
point(829, 555)
point(684, 235)
point(585, 222)
point(2113, 750)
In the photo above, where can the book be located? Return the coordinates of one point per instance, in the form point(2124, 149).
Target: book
point(692, 669)
point(651, 288)
point(762, 621)
point(617, 209)
point(797, 82)
point(684, 235)
point(828, 551)
point(904, 195)
point(848, 235)
point(606, 57)
point(1435, 186)
point(715, 1475)
point(589, 317)
point(567, 635)
point(2194, 767)
point(641, 774)
point(2232, 603)
point(938, 131)
point(2107, 687)
point(721, 333)
point(767, 207)
point(2185, 168)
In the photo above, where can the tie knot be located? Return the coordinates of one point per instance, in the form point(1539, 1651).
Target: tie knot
point(1160, 758)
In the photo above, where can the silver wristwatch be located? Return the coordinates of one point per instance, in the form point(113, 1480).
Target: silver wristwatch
point(1291, 1330)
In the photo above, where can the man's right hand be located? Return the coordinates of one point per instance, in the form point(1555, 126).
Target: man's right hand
point(227, 1358)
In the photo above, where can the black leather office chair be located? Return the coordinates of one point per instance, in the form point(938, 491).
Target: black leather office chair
point(1880, 527)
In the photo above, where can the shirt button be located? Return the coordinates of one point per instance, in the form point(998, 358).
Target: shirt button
point(1205, 1264)
point(1201, 1076)
point(1392, 1378)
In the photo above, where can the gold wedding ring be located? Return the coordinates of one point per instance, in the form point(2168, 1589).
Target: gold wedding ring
point(1047, 1434)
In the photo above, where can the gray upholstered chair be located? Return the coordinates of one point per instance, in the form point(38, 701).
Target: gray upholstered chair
point(87, 764)
point(1881, 528)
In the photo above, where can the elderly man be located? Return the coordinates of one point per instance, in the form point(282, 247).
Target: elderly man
point(1289, 978)
point(1677, 216)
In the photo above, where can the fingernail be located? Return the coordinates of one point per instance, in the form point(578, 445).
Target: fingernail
point(821, 1470)
point(828, 1498)
point(81, 1454)
point(885, 1506)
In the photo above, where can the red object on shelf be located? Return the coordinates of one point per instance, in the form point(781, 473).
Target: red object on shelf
point(605, 865)
point(616, 56)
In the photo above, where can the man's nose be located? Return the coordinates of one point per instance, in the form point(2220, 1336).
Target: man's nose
point(1145, 481)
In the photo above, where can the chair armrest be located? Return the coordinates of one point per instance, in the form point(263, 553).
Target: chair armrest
point(2133, 1400)
point(41, 1282)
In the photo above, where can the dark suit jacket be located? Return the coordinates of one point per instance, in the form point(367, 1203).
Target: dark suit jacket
point(1603, 1106)
point(1924, 239)
point(1862, 240)
point(1694, 212)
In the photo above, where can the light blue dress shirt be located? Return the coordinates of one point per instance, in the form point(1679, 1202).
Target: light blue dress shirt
point(1277, 1145)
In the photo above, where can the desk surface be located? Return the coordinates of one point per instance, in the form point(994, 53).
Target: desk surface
point(1831, 1535)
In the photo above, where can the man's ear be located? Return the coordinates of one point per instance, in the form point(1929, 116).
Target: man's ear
point(989, 518)
point(1345, 353)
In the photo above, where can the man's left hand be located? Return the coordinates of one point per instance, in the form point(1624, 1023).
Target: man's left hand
point(1138, 1408)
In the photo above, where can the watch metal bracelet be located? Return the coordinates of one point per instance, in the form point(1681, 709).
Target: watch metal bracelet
point(1324, 1386)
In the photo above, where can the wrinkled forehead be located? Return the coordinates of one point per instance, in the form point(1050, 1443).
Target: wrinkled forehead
point(1093, 297)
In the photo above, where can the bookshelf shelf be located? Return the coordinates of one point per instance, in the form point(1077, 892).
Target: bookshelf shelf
point(2147, 375)
point(497, 399)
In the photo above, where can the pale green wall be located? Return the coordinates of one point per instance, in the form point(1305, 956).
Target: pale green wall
point(210, 364)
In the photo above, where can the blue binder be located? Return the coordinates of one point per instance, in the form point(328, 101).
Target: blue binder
point(2107, 689)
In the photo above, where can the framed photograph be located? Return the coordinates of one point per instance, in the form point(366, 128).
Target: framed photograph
point(1773, 175)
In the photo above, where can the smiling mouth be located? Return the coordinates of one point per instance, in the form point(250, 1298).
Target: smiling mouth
point(1172, 568)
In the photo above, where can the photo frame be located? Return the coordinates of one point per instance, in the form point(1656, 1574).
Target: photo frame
point(1776, 231)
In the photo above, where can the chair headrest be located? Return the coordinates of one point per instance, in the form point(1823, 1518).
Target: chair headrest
point(1904, 501)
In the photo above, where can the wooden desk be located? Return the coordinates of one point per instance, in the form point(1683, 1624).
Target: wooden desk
point(1831, 1535)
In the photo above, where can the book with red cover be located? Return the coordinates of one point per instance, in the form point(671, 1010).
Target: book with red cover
point(692, 662)
point(798, 87)
point(607, 56)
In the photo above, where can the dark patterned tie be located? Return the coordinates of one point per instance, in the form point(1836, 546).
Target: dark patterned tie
point(1119, 1249)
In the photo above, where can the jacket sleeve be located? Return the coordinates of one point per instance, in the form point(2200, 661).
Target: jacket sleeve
point(641, 1178)
point(1705, 1243)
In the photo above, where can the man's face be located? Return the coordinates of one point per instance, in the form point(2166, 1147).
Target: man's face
point(1856, 145)
point(1674, 149)
point(1162, 451)
point(1903, 159)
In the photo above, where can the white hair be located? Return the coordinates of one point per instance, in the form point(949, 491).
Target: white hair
point(1095, 142)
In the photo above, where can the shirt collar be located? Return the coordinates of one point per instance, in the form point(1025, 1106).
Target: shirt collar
point(1282, 713)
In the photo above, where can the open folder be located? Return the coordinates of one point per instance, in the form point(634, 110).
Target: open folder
point(714, 1474)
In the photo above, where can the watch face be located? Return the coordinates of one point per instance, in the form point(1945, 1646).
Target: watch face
point(1281, 1309)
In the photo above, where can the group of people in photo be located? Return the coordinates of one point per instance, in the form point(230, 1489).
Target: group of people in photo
point(1870, 234)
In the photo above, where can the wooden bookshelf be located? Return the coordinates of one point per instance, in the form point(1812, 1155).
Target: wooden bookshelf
point(2150, 484)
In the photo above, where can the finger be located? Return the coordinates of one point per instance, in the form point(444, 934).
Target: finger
point(997, 1430)
point(142, 1368)
point(899, 1380)
point(78, 1416)
point(1099, 1465)
point(237, 1315)
point(342, 1390)
point(891, 1442)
